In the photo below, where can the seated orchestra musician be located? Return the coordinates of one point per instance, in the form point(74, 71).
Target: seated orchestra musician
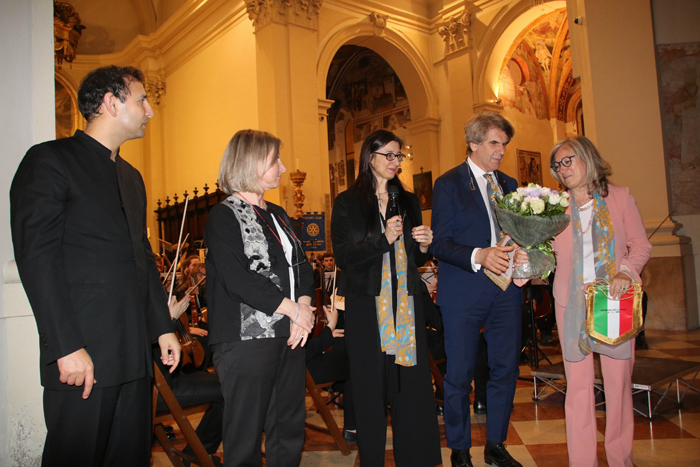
point(327, 361)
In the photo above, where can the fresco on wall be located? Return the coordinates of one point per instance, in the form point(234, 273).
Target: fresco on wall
point(527, 75)
point(679, 82)
point(364, 83)
point(367, 94)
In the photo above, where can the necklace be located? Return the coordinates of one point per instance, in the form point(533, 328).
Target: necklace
point(590, 219)
point(379, 198)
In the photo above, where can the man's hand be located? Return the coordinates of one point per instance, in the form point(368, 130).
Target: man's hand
point(495, 258)
point(77, 368)
point(169, 350)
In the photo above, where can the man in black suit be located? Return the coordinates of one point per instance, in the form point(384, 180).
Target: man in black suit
point(78, 217)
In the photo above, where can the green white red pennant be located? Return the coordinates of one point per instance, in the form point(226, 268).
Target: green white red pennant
point(613, 321)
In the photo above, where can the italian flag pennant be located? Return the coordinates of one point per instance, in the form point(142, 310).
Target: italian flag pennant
point(613, 321)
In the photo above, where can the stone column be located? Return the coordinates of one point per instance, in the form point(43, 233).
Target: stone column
point(613, 52)
point(286, 43)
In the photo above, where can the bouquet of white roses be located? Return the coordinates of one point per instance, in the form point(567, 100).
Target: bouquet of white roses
point(532, 216)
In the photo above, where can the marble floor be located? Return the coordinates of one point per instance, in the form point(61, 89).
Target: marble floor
point(536, 435)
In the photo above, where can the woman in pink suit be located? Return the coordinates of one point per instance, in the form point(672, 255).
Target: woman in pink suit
point(605, 239)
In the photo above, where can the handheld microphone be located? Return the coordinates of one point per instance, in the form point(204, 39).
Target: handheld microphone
point(393, 208)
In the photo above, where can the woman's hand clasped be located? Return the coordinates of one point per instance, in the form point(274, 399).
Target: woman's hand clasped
point(302, 322)
point(394, 229)
point(424, 236)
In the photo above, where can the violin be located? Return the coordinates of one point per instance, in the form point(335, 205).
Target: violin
point(192, 351)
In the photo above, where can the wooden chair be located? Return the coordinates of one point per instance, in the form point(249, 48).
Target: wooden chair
point(332, 427)
point(177, 413)
point(437, 376)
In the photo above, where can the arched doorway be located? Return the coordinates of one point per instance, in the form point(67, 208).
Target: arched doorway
point(418, 123)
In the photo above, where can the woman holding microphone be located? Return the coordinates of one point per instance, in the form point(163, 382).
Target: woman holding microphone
point(385, 332)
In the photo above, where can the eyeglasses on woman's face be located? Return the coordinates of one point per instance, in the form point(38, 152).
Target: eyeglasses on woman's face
point(390, 156)
point(565, 162)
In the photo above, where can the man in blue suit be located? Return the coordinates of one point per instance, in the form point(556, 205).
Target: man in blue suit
point(466, 233)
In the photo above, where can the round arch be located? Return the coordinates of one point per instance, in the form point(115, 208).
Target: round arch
point(399, 52)
point(496, 42)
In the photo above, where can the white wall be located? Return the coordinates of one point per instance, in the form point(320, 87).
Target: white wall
point(28, 117)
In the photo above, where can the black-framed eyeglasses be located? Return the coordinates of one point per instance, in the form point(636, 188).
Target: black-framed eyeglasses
point(390, 156)
point(566, 162)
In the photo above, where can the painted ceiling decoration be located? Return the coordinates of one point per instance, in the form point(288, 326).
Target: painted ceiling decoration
point(536, 77)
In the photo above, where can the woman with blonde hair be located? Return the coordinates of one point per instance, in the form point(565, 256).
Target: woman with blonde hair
point(259, 295)
point(606, 240)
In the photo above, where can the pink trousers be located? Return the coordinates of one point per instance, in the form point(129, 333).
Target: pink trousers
point(581, 426)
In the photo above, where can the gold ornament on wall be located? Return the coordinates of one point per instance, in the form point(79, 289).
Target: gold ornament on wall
point(155, 89)
point(298, 177)
point(67, 31)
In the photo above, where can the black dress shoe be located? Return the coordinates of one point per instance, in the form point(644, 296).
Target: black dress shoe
point(479, 408)
point(350, 436)
point(496, 454)
point(461, 458)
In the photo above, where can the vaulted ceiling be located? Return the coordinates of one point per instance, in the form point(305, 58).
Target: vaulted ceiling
point(112, 24)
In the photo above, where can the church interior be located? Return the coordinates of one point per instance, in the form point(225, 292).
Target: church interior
point(322, 75)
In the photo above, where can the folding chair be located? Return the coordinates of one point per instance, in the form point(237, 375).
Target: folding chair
point(177, 413)
point(332, 427)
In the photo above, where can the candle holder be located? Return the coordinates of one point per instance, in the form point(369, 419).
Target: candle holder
point(298, 177)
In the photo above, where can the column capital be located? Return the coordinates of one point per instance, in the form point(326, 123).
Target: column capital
point(155, 89)
point(455, 32)
point(299, 12)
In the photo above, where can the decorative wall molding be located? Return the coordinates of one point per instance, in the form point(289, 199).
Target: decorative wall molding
point(299, 12)
point(455, 32)
point(155, 89)
point(427, 124)
point(323, 106)
point(488, 107)
point(379, 22)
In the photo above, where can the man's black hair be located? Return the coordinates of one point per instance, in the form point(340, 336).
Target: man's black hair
point(98, 82)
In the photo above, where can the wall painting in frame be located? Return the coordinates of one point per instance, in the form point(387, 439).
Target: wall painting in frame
point(529, 167)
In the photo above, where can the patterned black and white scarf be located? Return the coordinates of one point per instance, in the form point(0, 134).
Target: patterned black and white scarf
point(254, 323)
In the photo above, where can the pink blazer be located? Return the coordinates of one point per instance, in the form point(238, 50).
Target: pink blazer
point(632, 248)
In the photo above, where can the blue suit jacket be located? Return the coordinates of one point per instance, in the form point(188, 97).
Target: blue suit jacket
point(460, 223)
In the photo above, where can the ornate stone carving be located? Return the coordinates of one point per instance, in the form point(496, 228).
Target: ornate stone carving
point(379, 22)
point(155, 89)
point(67, 31)
point(455, 32)
point(299, 12)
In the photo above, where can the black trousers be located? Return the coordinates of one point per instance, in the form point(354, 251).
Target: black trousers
point(264, 384)
point(377, 382)
point(111, 428)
